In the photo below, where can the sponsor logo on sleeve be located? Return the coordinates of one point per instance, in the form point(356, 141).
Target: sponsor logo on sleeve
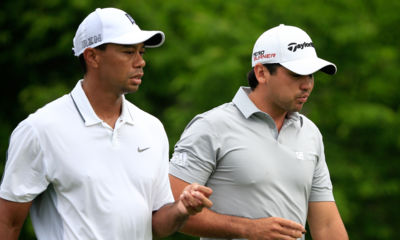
point(179, 158)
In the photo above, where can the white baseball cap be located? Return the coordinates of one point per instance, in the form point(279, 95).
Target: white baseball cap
point(111, 25)
point(292, 48)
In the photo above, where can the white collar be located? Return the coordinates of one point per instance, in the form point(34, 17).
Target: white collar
point(86, 111)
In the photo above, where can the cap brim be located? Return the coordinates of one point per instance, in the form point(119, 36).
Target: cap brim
point(156, 40)
point(308, 66)
point(150, 39)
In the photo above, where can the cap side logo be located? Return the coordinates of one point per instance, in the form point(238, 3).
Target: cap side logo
point(91, 40)
point(261, 55)
point(130, 18)
point(294, 46)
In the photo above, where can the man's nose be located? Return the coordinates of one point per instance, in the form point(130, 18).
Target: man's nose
point(139, 61)
point(307, 82)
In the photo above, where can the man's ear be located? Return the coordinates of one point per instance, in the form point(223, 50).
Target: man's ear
point(91, 58)
point(262, 73)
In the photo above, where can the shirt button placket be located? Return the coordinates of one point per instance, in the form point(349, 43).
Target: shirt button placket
point(115, 138)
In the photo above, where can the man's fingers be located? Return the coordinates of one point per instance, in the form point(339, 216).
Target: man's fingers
point(206, 202)
point(203, 199)
point(291, 228)
point(190, 199)
point(195, 198)
point(292, 225)
point(203, 189)
point(291, 233)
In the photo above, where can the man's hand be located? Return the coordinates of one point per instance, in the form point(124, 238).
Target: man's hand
point(274, 228)
point(194, 198)
point(171, 217)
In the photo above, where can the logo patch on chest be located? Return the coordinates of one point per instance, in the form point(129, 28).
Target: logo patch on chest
point(300, 155)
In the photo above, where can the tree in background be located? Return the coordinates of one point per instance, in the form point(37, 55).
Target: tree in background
point(205, 59)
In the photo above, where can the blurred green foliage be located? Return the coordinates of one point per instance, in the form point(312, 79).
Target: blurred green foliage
point(205, 59)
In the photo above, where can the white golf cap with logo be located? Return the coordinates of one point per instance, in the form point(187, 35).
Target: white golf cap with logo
point(111, 25)
point(292, 48)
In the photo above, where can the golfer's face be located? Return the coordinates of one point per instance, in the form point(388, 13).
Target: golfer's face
point(289, 90)
point(122, 66)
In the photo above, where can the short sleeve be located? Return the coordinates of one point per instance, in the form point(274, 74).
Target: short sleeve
point(194, 157)
point(24, 176)
point(321, 186)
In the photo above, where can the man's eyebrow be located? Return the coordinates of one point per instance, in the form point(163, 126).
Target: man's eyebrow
point(130, 46)
point(293, 73)
point(298, 75)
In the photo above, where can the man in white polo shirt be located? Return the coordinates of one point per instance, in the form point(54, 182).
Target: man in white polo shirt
point(263, 159)
point(91, 165)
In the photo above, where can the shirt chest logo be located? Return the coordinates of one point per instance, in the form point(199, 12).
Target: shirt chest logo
point(142, 149)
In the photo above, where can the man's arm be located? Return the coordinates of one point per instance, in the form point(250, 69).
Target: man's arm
point(12, 217)
point(211, 224)
point(170, 218)
point(325, 222)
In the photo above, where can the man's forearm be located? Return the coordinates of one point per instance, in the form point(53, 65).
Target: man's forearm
point(168, 220)
point(12, 217)
point(8, 232)
point(334, 231)
point(214, 225)
point(211, 224)
point(208, 223)
point(325, 222)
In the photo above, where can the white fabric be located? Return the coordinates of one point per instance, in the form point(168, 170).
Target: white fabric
point(292, 48)
point(112, 25)
point(87, 180)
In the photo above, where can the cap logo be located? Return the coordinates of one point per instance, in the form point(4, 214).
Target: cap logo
point(294, 46)
point(91, 40)
point(261, 55)
point(130, 18)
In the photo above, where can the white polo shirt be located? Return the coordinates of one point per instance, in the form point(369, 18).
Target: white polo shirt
point(87, 180)
point(254, 171)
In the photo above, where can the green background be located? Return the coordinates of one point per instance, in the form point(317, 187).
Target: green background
point(205, 59)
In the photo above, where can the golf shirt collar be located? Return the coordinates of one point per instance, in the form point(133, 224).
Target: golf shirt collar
point(86, 111)
point(248, 108)
point(243, 102)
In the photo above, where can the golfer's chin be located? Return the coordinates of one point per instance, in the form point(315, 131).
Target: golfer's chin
point(297, 107)
point(132, 88)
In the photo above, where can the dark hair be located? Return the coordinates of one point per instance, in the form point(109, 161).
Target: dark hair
point(251, 76)
point(82, 59)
